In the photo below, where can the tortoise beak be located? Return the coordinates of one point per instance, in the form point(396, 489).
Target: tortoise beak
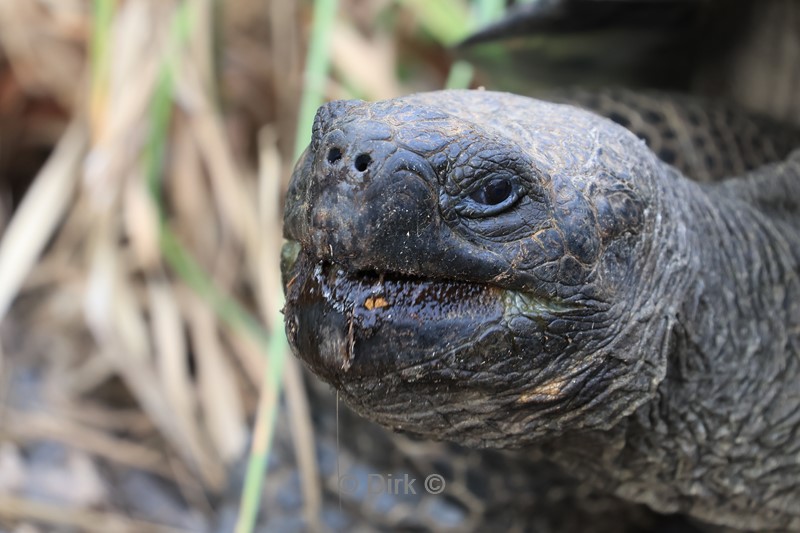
point(341, 324)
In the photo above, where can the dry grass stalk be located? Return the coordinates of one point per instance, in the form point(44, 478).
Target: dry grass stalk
point(370, 61)
point(106, 263)
point(230, 192)
point(109, 421)
point(218, 391)
point(151, 354)
point(30, 427)
point(269, 225)
point(46, 60)
point(40, 213)
point(89, 521)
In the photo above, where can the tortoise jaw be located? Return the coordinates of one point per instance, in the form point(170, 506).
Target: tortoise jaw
point(437, 358)
point(363, 325)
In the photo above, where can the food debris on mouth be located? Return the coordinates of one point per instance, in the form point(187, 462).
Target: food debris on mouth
point(375, 302)
point(347, 356)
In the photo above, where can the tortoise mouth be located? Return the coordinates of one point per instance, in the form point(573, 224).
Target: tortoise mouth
point(358, 325)
point(423, 354)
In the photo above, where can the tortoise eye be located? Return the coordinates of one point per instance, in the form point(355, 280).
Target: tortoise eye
point(493, 196)
point(493, 192)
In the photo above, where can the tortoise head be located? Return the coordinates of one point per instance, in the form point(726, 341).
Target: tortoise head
point(473, 266)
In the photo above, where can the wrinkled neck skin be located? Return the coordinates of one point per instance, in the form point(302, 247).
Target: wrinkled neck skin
point(719, 440)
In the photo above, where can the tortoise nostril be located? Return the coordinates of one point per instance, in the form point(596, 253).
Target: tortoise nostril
point(362, 162)
point(334, 155)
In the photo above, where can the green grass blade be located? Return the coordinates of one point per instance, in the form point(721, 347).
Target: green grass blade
point(266, 414)
point(487, 11)
point(161, 105)
point(447, 21)
point(225, 307)
point(316, 76)
point(102, 18)
point(316, 70)
point(460, 75)
point(484, 12)
point(187, 268)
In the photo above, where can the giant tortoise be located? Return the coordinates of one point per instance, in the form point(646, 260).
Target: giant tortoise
point(507, 273)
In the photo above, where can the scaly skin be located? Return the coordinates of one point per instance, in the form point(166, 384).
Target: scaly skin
point(706, 140)
point(502, 272)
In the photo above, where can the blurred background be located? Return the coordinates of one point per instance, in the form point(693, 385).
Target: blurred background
point(145, 146)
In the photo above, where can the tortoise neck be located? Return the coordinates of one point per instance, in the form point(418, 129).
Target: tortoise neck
point(738, 311)
point(732, 382)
